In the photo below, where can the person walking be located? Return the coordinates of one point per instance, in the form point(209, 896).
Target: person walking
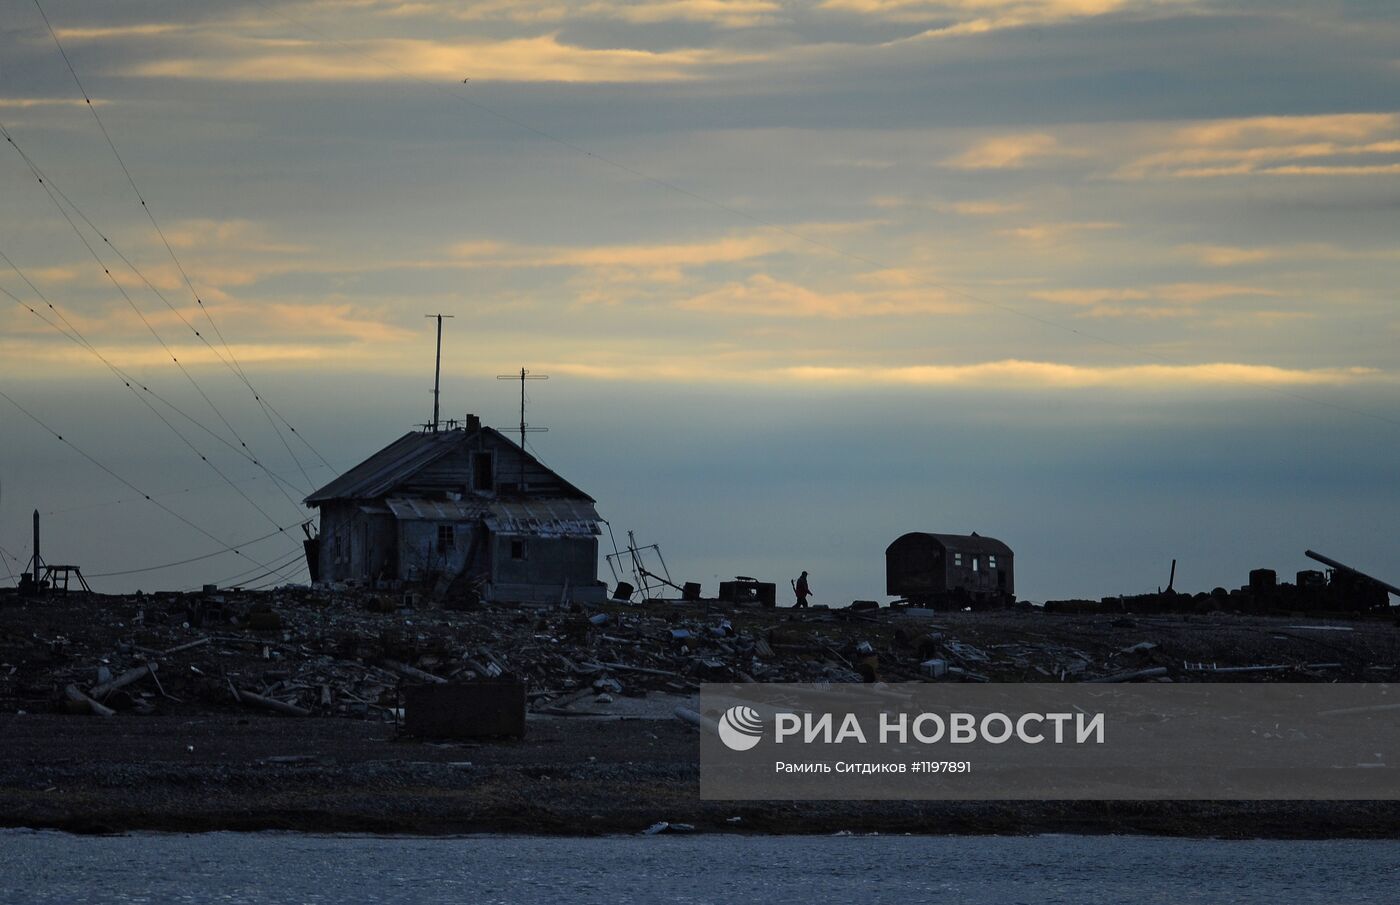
point(803, 590)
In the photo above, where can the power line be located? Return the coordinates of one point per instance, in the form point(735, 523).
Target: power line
point(50, 191)
point(72, 334)
point(182, 562)
point(242, 577)
point(59, 199)
point(147, 497)
point(807, 240)
point(5, 557)
point(124, 500)
point(176, 431)
point(150, 215)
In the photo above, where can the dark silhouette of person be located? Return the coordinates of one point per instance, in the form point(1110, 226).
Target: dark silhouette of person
point(802, 590)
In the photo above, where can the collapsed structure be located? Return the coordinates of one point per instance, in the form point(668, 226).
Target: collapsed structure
point(463, 506)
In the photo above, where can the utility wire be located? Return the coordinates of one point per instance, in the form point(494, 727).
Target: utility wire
point(5, 557)
point(150, 215)
point(147, 497)
point(59, 199)
point(72, 334)
point(807, 240)
point(171, 493)
point(242, 577)
point(182, 562)
point(176, 431)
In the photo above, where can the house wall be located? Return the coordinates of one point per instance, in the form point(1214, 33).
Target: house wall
point(356, 545)
point(548, 564)
point(917, 565)
point(420, 557)
point(914, 566)
point(985, 580)
point(455, 472)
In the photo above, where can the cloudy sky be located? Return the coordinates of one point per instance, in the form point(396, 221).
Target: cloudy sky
point(1113, 280)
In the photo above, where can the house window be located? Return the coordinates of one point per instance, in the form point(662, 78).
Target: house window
point(974, 564)
point(517, 549)
point(991, 561)
point(957, 559)
point(445, 539)
point(483, 475)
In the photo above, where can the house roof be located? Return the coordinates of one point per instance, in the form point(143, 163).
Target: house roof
point(382, 472)
point(417, 509)
point(962, 543)
point(568, 518)
point(378, 474)
point(536, 517)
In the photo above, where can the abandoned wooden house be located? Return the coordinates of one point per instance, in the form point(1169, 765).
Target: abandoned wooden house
point(948, 571)
point(464, 505)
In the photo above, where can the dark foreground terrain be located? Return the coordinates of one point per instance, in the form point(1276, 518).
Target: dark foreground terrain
point(569, 776)
point(194, 746)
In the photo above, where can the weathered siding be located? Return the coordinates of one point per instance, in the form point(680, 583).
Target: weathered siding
point(549, 563)
point(914, 565)
point(420, 555)
point(918, 565)
point(451, 480)
point(456, 471)
point(356, 545)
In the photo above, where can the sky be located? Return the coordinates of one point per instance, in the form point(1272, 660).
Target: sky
point(1111, 280)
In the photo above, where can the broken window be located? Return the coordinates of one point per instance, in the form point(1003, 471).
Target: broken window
point(517, 549)
point(445, 539)
point(483, 475)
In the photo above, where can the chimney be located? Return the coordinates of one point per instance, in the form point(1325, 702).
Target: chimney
point(473, 423)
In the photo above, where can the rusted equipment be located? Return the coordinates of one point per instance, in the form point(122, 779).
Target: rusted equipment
point(744, 589)
point(492, 709)
point(1355, 574)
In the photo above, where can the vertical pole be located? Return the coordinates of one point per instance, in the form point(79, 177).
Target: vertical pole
point(521, 485)
point(525, 428)
point(437, 373)
point(38, 559)
point(522, 408)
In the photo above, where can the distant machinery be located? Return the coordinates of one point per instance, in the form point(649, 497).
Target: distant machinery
point(42, 576)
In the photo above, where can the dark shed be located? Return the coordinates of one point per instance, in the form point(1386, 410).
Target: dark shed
point(950, 570)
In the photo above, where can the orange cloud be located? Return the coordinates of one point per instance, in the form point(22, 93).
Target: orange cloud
point(1006, 152)
point(1274, 145)
point(765, 296)
point(1054, 375)
point(536, 59)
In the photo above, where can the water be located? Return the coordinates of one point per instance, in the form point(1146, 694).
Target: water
point(43, 867)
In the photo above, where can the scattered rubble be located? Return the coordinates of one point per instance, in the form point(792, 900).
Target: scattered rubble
point(325, 653)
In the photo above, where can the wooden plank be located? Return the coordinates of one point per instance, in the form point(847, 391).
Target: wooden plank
point(78, 697)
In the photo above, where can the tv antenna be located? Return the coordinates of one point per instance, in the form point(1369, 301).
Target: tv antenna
point(525, 428)
point(437, 371)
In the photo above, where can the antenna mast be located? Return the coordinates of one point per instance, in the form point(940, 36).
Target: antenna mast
point(437, 371)
point(525, 428)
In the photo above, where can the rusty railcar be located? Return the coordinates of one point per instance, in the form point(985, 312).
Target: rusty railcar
point(950, 571)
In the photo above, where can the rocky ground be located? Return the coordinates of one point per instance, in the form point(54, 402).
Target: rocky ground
point(193, 746)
